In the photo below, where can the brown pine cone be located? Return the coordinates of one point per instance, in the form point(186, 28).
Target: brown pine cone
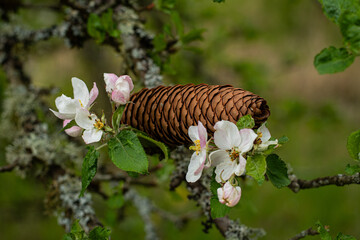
point(166, 113)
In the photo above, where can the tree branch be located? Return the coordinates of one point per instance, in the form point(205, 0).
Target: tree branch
point(8, 168)
point(307, 232)
point(338, 180)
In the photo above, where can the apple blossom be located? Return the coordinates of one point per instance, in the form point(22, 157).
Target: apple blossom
point(118, 87)
point(233, 144)
point(92, 125)
point(198, 135)
point(264, 137)
point(82, 99)
point(74, 131)
point(229, 195)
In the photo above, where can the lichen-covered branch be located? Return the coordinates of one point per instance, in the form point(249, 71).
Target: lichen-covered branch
point(200, 193)
point(7, 168)
point(303, 234)
point(338, 180)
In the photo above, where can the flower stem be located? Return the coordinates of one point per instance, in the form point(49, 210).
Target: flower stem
point(101, 146)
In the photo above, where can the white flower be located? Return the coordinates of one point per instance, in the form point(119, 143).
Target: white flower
point(198, 135)
point(118, 87)
point(265, 136)
point(82, 99)
point(92, 125)
point(233, 144)
point(74, 131)
point(229, 195)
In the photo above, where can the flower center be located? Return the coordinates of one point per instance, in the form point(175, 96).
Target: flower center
point(258, 139)
point(234, 154)
point(98, 124)
point(197, 147)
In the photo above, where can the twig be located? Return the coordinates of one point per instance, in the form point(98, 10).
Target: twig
point(338, 180)
point(307, 232)
point(8, 168)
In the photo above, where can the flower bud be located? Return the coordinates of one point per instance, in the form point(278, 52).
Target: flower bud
point(229, 195)
point(74, 131)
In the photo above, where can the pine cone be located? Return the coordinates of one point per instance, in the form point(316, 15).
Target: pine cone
point(166, 113)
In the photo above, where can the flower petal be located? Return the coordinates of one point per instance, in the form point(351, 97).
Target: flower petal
point(74, 131)
point(265, 133)
point(202, 134)
point(84, 119)
point(128, 80)
point(228, 189)
point(218, 156)
point(81, 92)
point(240, 168)
point(66, 105)
point(234, 198)
point(92, 135)
point(63, 115)
point(118, 97)
point(247, 139)
point(224, 171)
point(220, 193)
point(110, 80)
point(193, 133)
point(193, 173)
point(226, 135)
point(94, 92)
point(202, 158)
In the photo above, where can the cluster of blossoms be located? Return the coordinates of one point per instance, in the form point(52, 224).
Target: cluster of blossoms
point(229, 160)
point(78, 108)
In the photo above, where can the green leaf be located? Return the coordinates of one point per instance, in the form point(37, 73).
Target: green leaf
point(95, 28)
point(126, 152)
point(245, 122)
point(89, 168)
point(107, 21)
point(353, 145)
point(159, 42)
point(283, 140)
point(333, 9)
point(256, 167)
point(193, 35)
point(69, 125)
point(160, 145)
point(333, 60)
point(99, 233)
point(214, 185)
point(116, 117)
point(166, 6)
point(350, 29)
point(76, 232)
point(351, 170)
point(175, 17)
point(324, 234)
point(277, 171)
point(218, 209)
point(341, 236)
point(116, 201)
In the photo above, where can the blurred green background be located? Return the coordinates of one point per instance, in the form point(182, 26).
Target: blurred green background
point(259, 45)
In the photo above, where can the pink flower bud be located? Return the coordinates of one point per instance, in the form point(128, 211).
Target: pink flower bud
point(74, 131)
point(229, 195)
point(118, 87)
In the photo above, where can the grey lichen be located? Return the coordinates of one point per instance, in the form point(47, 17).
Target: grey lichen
point(145, 208)
point(76, 208)
point(237, 231)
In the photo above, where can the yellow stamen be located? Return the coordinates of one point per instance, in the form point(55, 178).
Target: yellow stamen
point(258, 139)
point(234, 155)
point(197, 147)
point(81, 103)
point(98, 124)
